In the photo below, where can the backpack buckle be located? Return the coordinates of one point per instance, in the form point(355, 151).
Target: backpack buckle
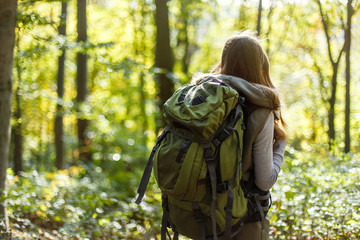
point(209, 156)
point(222, 187)
point(222, 136)
point(198, 215)
point(241, 101)
point(164, 200)
point(225, 133)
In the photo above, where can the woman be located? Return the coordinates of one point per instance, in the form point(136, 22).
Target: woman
point(245, 66)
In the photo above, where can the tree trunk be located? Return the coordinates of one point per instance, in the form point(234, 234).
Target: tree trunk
point(186, 57)
point(258, 27)
point(58, 125)
point(335, 66)
point(81, 80)
point(143, 95)
point(269, 15)
point(163, 56)
point(347, 75)
point(7, 39)
point(139, 46)
point(332, 101)
point(17, 127)
point(183, 37)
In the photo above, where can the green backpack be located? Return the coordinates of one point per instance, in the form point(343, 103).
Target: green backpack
point(197, 162)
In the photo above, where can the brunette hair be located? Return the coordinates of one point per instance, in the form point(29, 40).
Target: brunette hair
point(243, 57)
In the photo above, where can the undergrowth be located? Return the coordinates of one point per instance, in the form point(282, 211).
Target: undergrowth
point(316, 197)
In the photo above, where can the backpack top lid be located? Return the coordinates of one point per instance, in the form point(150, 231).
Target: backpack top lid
point(199, 110)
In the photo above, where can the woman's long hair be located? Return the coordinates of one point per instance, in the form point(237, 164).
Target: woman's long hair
point(244, 57)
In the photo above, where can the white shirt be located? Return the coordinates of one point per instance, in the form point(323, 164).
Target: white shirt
point(267, 156)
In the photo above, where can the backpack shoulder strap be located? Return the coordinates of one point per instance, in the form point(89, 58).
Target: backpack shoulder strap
point(148, 169)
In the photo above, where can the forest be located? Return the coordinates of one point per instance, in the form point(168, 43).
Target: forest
point(83, 82)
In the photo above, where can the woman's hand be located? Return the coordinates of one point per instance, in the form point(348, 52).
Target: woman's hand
point(279, 134)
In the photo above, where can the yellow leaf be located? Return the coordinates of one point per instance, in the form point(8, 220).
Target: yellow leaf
point(40, 214)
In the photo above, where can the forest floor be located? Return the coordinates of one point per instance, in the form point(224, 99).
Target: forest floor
point(312, 199)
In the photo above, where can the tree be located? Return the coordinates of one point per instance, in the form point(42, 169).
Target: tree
point(335, 67)
point(17, 126)
point(163, 54)
point(184, 36)
point(7, 39)
point(81, 80)
point(258, 26)
point(186, 24)
point(58, 125)
point(350, 12)
point(268, 32)
point(139, 47)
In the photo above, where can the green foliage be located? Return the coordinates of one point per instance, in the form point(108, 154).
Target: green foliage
point(77, 204)
point(313, 199)
point(317, 197)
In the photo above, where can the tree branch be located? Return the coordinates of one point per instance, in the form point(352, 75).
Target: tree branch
point(325, 25)
point(341, 51)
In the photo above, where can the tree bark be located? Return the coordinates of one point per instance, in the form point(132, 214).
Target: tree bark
point(7, 39)
point(183, 38)
point(58, 125)
point(258, 26)
point(269, 15)
point(81, 80)
point(139, 46)
point(143, 95)
point(163, 55)
point(186, 57)
point(347, 75)
point(17, 127)
point(332, 101)
point(335, 66)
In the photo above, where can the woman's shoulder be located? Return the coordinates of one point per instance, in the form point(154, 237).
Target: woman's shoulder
point(259, 95)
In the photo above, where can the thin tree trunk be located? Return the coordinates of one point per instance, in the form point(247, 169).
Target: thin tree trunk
point(81, 80)
point(163, 55)
point(7, 39)
point(270, 13)
point(258, 27)
point(58, 125)
point(186, 56)
point(332, 101)
point(143, 95)
point(17, 127)
point(139, 49)
point(183, 37)
point(335, 66)
point(347, 76)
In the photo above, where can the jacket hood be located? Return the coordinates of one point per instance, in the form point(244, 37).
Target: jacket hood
point(258, 95)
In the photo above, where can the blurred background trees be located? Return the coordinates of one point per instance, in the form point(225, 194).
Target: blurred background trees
point(90, 78)
point(7, 39)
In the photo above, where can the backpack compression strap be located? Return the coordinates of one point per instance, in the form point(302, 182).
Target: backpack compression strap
point(227, 131)
point(210, 162)
point(255, 198)
point(148, 169)
point(166, 222)
point(230, 200)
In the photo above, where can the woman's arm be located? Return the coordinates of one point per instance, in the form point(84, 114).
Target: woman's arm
point(267, 154)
